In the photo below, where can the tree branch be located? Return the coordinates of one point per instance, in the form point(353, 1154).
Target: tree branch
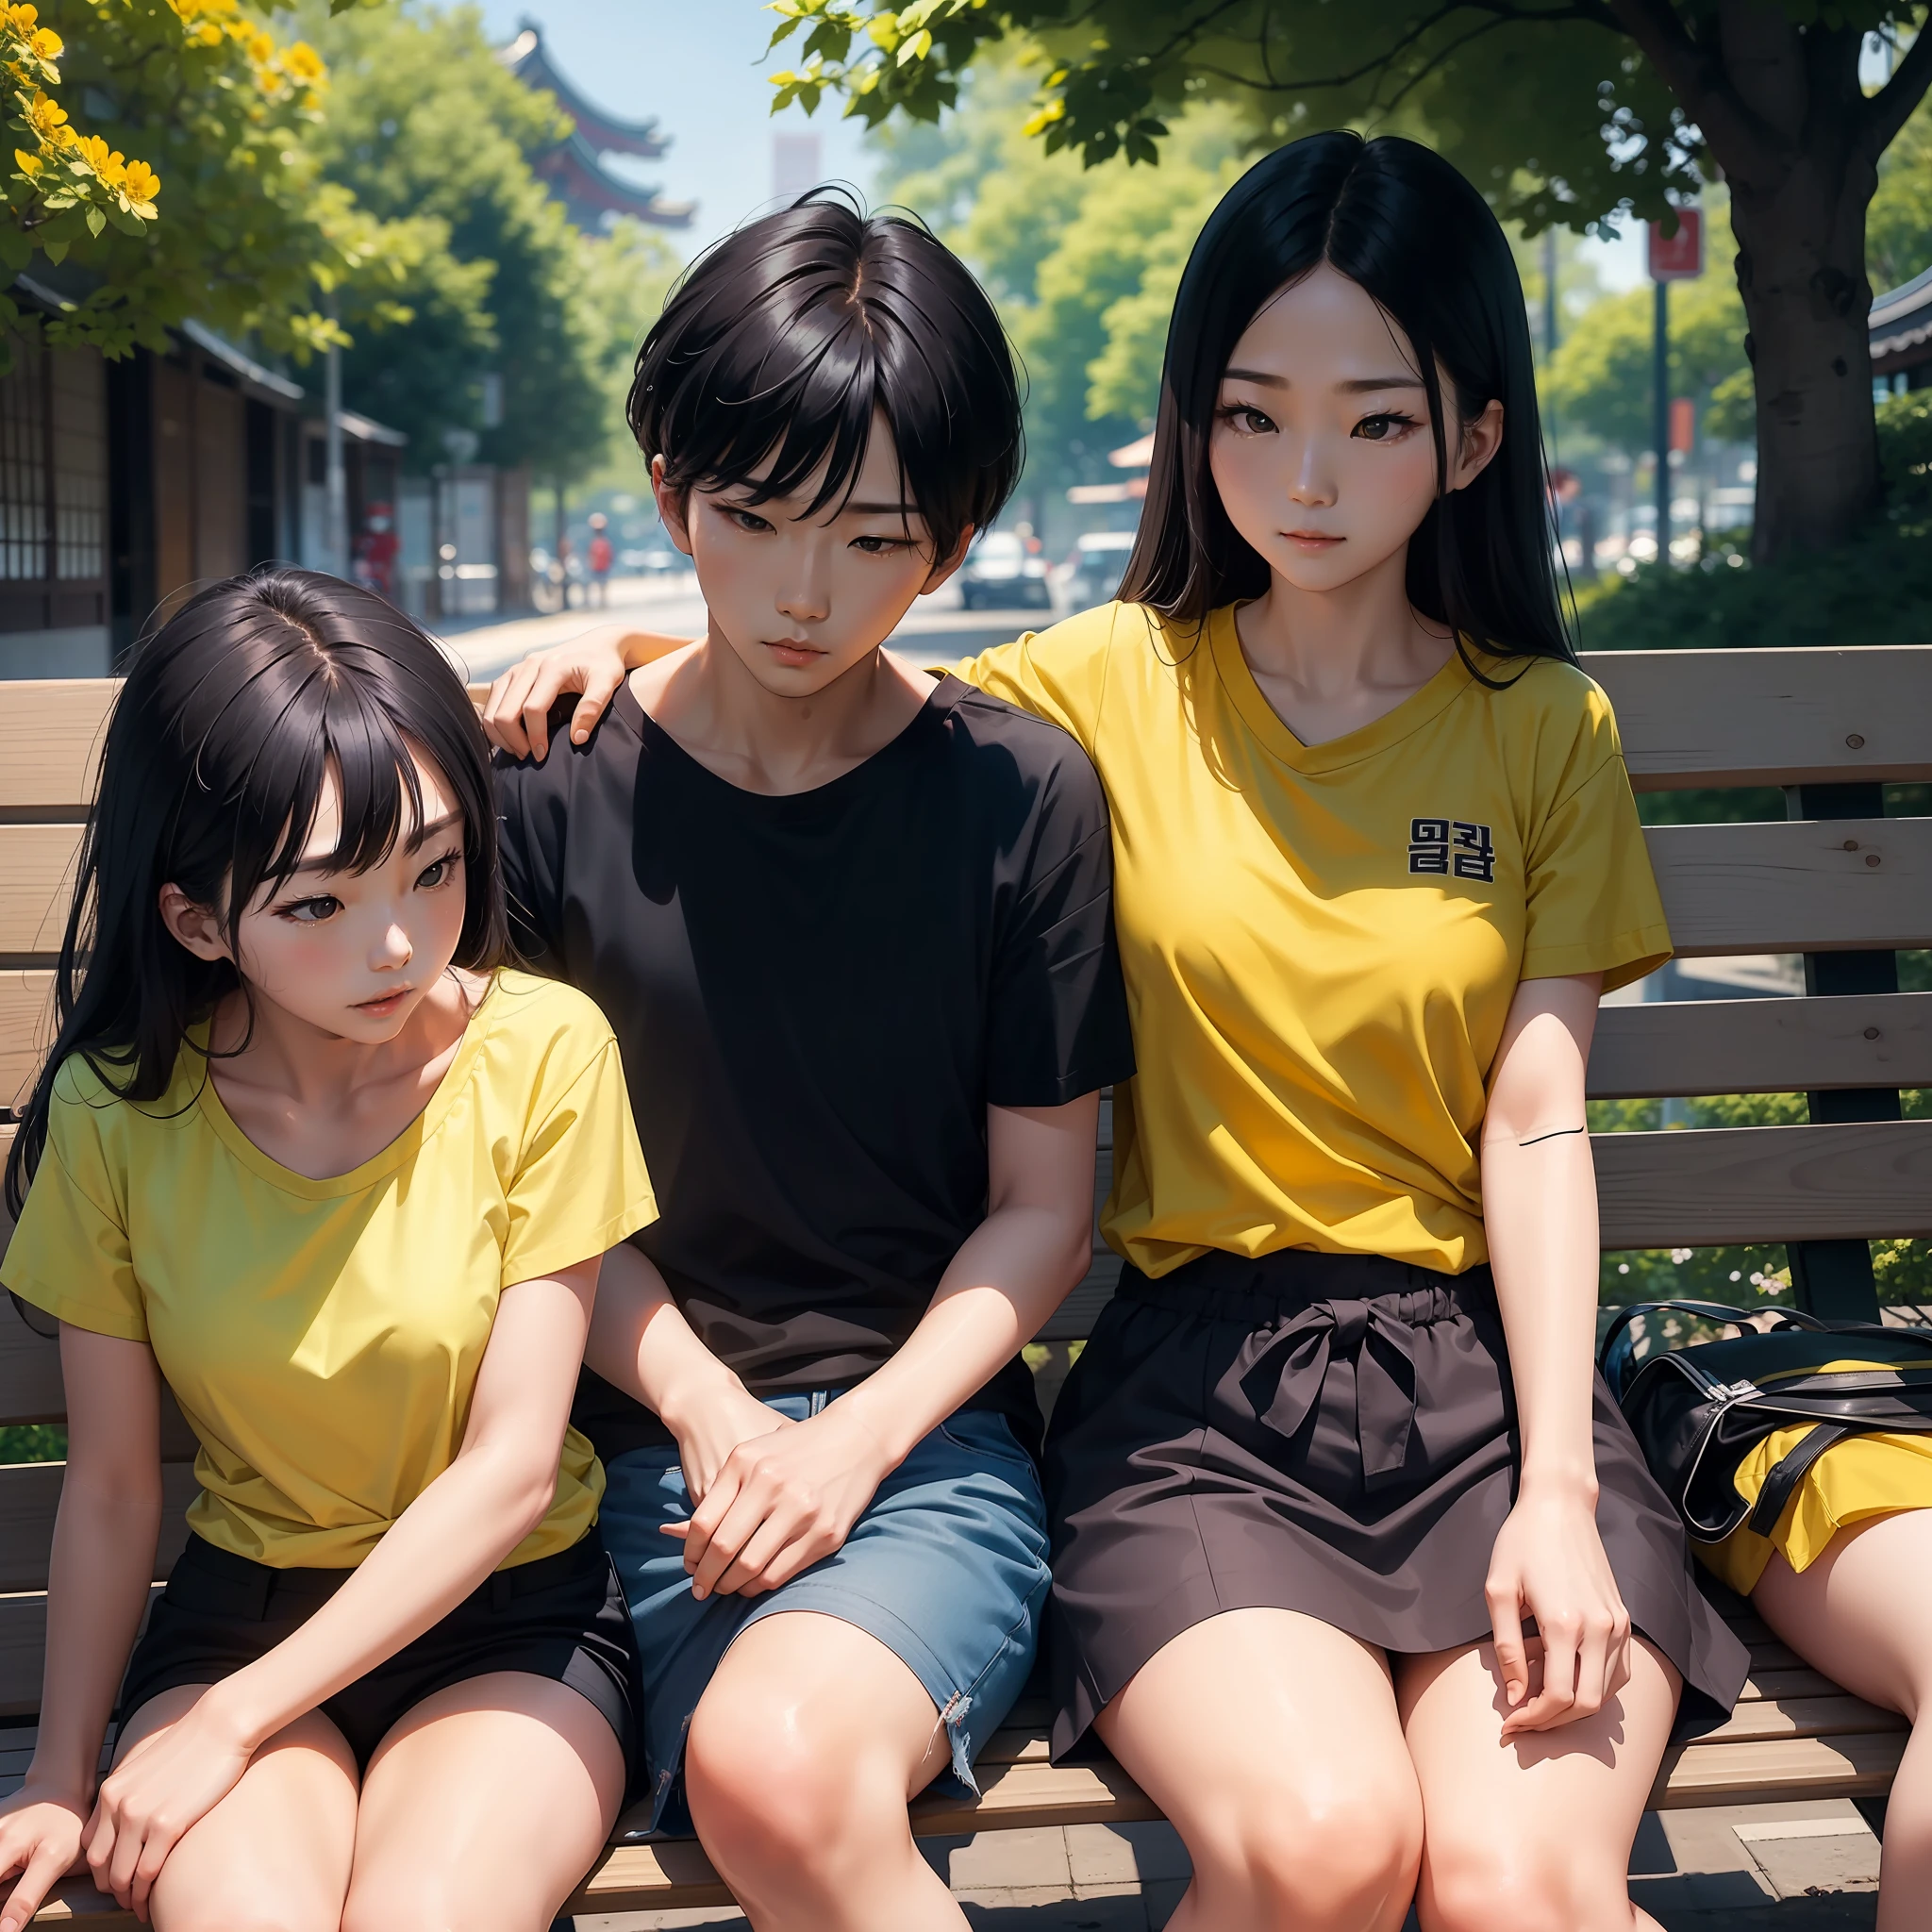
point(1891, 108)
point(1736, 136)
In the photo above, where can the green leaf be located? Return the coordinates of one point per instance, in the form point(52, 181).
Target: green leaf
point(96, 221)
point(56, 252)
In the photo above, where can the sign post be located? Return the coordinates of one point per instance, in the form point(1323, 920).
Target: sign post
point(1677, 257)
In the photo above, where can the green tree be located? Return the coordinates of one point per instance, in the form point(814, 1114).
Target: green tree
point(1083, 263)
point(221, 215)
point(1565, 112)
point(424, 122)
point(1898, 239)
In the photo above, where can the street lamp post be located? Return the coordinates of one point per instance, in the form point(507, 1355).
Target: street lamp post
point(1674, 258)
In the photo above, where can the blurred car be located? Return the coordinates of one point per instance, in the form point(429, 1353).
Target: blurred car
point(1003, 575)
point(1093, 573)
point(654, 560)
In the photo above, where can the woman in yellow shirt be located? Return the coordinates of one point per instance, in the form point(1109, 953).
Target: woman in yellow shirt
point(1337, 1440)
point(302, 1153)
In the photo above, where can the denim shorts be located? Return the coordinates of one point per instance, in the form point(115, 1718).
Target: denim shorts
point(946, 1568)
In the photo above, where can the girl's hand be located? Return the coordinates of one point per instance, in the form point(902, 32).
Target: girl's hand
point(782, 1501)
point(165, 1786)
point(710, 1430)
point(516, 715)
point(39, 1839)
point(1549, 1563)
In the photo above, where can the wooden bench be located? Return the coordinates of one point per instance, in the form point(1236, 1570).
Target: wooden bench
point(1836, 881)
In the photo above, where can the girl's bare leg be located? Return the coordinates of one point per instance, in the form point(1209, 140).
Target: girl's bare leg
point(484, 1808)
point(801, 1757)
point(274, 1855)
point(1858, 1614)
point(1533, 1835)
point(1271, 1741)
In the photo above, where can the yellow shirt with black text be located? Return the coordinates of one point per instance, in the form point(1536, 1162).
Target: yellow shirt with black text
point(1320, 944)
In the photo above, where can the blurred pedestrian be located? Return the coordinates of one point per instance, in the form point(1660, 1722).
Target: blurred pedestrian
point(601, 559)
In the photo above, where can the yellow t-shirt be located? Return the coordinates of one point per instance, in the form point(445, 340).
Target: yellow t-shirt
point(1320, 942)
point(322, 1337)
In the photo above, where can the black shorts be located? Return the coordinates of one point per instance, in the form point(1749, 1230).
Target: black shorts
point(562, 1617)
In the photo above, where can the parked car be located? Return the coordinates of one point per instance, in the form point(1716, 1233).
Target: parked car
point(1003, 575)
point(1093, 573)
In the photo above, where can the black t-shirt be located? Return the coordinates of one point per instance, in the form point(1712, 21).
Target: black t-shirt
point(817, 997)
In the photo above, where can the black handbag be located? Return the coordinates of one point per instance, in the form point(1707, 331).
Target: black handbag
point(1698, 1411)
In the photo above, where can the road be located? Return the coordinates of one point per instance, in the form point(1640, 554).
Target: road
point(935, 631)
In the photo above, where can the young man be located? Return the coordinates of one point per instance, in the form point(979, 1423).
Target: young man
point(854, 929)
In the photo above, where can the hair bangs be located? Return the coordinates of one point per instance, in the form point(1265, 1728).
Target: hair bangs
point(786, 343)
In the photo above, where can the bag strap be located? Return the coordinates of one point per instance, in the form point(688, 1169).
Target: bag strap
point(1704, 1311)
point(1789, 1470)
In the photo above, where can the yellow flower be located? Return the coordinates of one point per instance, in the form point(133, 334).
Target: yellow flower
point(46, 44)
point(260, 45)
point(105, 162)
point(29, 164)
point(22, 19)
point(47, 116)
point(301, 62)
point(139, 189)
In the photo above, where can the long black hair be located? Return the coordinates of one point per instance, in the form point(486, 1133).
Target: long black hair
point(236, 714)
point(784, 339)
point(1402, 223)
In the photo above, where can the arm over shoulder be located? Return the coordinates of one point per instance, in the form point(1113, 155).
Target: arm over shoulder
point(1058, 673)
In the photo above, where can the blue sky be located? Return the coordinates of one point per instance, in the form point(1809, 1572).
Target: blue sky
point(696, 66)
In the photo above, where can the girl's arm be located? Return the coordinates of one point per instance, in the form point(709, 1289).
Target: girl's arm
point(785, 1500)
point(1540, 1211)
point(517, 712)
point(642, 1343)
point(97, 1586)
point(445, 1544)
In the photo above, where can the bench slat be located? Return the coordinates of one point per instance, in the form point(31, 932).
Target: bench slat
point(1698, 1774)
point(36, 878)
point(30, 1493)
point(27, 1027)
point(1808, 886)
point(1771, 888)
point(1761, 1046)
point(50, 735)
point(1707, 1186)
point(1693, 718)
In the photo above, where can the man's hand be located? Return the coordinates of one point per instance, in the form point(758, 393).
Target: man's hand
point(710, 1429)
point(781, 1502)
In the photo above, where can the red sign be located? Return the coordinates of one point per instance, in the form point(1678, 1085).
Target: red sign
point(1683, 424)
point(1677, 257)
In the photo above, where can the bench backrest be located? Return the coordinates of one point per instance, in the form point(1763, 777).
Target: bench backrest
point(1836, 881)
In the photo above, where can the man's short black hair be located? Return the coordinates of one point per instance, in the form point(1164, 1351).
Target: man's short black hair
point(783, 340)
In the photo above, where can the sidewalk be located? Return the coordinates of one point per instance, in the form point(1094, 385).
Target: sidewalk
point(1756, 1867)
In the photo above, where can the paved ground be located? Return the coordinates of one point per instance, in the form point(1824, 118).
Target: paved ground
point(935, 629)
point(1762, 1867)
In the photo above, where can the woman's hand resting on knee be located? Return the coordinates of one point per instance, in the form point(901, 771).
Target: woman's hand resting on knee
point(165, 1786)
point(39, 1842)
point(1549, 1563)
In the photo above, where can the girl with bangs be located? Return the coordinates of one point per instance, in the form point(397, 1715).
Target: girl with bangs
point(304, 1150)
point(1357, 1568)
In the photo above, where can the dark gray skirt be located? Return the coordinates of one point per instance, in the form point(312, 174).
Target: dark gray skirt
point(1333, 1434)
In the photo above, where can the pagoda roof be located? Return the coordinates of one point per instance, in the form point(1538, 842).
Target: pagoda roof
point(529, 61)
point(1900, 325)
point(589, 191)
